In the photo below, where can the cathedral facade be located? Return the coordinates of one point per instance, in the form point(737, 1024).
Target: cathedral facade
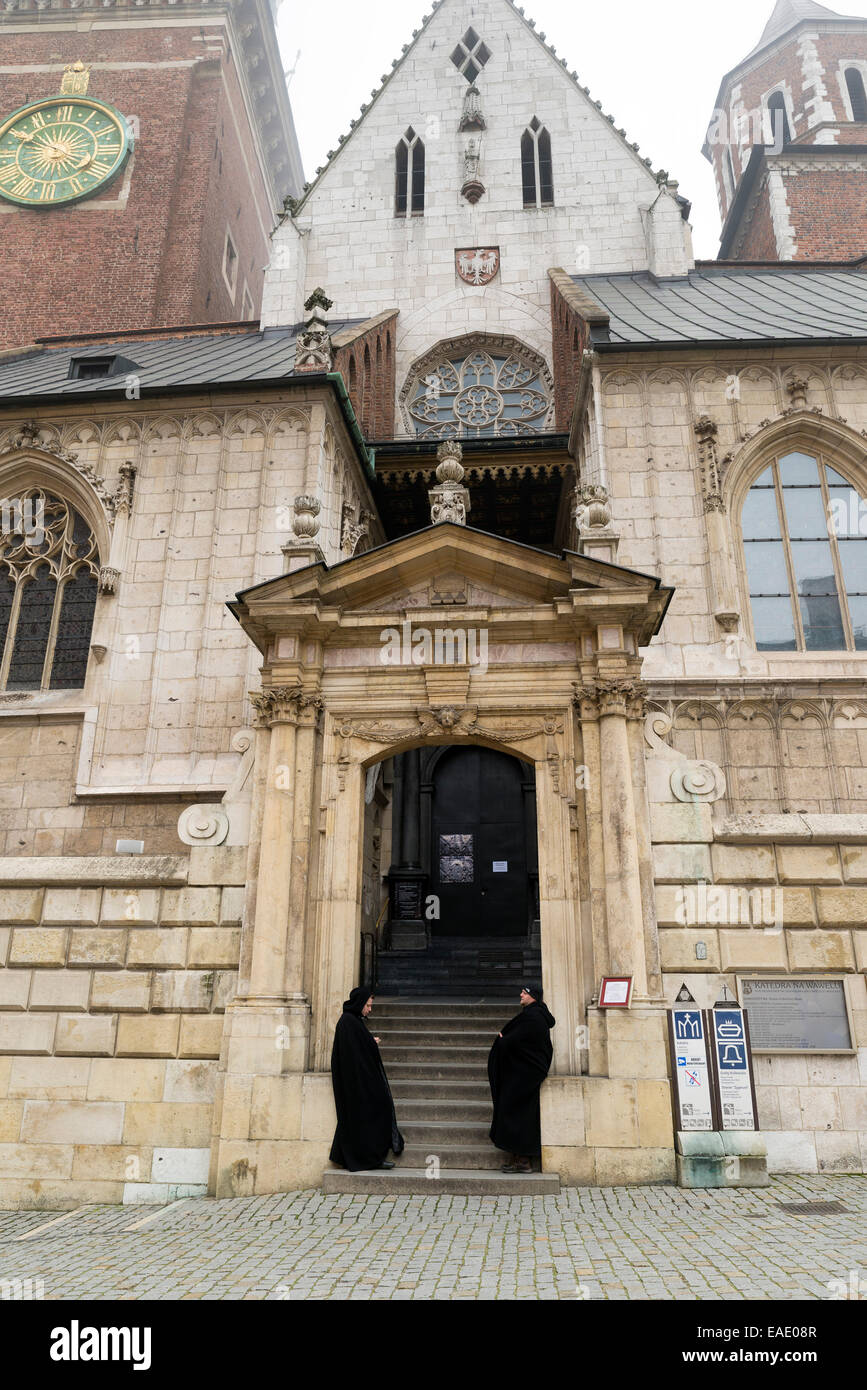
point(484, 592)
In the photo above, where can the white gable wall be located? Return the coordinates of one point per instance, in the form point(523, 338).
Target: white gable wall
point(367, 259)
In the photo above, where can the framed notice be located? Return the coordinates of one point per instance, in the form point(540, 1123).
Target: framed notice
point(729, 1033)
point(790, 1014)
point(692, 1095)
point(615, 992)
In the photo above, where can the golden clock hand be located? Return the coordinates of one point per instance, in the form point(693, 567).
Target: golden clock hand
point(88, 159)
point(19, 135)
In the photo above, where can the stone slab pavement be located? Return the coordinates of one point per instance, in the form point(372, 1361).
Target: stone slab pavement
point(586, 1243)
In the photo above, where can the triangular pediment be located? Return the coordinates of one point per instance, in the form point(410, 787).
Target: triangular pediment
point(452, 567)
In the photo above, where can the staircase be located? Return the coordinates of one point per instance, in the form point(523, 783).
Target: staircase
point(456, 967)
point(435, 1053)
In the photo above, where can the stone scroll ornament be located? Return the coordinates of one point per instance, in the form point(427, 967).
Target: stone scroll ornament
point(215, 823)
point(691, 779)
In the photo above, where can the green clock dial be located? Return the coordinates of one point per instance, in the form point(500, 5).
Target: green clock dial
point(60, 150)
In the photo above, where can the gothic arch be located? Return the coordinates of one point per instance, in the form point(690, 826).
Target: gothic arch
point(33, 467)
point(802, 429)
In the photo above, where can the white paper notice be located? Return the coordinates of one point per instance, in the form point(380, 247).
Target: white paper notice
point(501, 866)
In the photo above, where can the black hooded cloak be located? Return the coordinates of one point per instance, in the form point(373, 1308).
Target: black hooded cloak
point(517, 1065)
point(366, 1123)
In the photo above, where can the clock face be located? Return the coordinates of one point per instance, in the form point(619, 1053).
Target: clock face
point(60, 150)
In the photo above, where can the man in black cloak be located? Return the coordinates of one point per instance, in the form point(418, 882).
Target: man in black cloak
point(366, 1123)
point(517, 1065)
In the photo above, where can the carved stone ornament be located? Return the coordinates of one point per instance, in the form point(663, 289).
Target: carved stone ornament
point(691, 779)
point(471, 117)
point(214, 823)
point(108, 579)
point(314, 351)
point(284, 705)
point(592, 506)
point(449, 500)
point(472, 188)
point(706, 431)
point(626, 696)
point(305, 523)
point(797, 388)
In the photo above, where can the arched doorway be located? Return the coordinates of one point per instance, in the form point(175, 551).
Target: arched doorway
point(482, 843)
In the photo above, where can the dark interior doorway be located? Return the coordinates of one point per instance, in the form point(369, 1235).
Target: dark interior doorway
point(482, 843)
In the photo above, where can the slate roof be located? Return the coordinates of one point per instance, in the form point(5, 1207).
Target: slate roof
point(729, 304)
point(788, 13)
point(200, 360)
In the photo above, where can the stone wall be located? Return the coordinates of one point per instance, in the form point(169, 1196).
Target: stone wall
point(112, 996)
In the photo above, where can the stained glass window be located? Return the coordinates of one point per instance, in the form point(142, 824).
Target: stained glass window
point(484, 393)
point(804, 530)
point(49, 575)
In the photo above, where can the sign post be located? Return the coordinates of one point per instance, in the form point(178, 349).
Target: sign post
point(729, 1031)
point(693, 1100)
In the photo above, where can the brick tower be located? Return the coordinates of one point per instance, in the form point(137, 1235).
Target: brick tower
point(788, 140)
point(171, 228)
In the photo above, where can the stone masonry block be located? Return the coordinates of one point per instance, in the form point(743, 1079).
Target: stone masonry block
point(188, 991)
point(14, 988)
point(677, 948)
point(21, 906)
point(127, 1079)
point(126, 990)
point(97, 946)
point(808, 864)
point(742, 864)
point(180, 1125)
point(72, 1122)
point(60, 989)
point(86, 1036)
point(181, 1165)
point(148, 1035)
point(214, 947)
point(820, 950)
point(681, 863)
point(41, 946)
point(201, 1035)
point(159, 946)
point(854, 863)
point(33, 1033)
point(131, 907)
point(217, 865)
point(76, 907)
point(231, 907)
point(190, 907)
point(842, 907)
point(681, 824)
point(190, 1080)
point(753, 949)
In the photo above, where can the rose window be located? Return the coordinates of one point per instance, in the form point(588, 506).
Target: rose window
point(485, 393)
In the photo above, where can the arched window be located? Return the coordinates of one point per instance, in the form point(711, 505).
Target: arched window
point(857, 95)
point(781, 133)
point(804, 530)
point(537, 174)
point(490, 387)
point(729, 173)
point(409, 175)
point(49, 579)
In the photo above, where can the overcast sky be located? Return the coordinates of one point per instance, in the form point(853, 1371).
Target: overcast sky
point(655, 67)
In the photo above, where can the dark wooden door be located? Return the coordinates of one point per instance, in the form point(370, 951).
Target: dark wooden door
point(479, 850)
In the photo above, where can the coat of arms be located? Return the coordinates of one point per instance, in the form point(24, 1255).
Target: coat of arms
point(477, 265)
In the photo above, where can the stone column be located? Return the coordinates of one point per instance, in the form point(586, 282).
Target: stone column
point(611, 703)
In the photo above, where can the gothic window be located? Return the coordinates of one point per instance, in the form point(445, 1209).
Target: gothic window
point(49, 573)
point(779, 121)
point(493, 390)
point(471, 55)
point(409, 175)
point(857, 95)
point(729, 170)
point(536, 168)
point(804, 530)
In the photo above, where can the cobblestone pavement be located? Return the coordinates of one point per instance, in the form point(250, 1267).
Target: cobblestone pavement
point(585, 1243)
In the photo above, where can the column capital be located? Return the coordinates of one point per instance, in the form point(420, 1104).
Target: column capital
point(285, 704)
point(624, 695)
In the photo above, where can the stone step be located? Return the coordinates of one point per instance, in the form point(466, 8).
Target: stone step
point(476, 1156)
point(405, 1090)
point(430, 1031)
point(452, 1112)
point(445, 1132)
point(467, 1182)
point(433, 1052)
point(435, 1071)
